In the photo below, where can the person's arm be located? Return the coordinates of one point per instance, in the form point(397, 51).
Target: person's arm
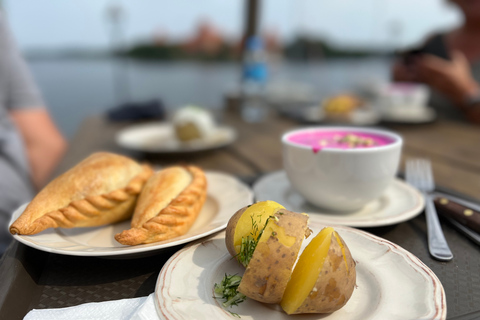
point(452, 78)
point(44, 144)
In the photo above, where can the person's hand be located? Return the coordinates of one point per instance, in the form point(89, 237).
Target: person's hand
point(450, 77)
point(403, 73)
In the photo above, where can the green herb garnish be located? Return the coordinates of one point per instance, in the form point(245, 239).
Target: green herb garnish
point(246, 250)
point(250, 242)
point(228, 291)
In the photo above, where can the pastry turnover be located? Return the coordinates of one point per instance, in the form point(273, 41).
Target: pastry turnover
point(101, 189)
point(168, 205)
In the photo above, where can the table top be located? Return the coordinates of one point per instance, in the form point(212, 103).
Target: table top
point(35, 279)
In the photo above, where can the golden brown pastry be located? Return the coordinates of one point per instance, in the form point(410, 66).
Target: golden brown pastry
point(168, 205)
point(101, 189)
point(340, 108)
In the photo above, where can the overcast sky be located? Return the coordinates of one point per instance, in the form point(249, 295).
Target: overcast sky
point(58, 24)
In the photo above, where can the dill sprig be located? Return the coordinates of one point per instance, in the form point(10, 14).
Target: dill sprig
point(249, 244)
point(228, 291)
point(246, 250)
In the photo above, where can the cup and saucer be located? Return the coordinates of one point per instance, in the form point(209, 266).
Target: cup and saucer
point(344, 184)
point(404, 102)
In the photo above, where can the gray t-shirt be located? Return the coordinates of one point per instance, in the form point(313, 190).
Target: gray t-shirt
point(17, 92)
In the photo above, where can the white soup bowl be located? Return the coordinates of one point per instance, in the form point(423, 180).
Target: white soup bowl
point(341, 179)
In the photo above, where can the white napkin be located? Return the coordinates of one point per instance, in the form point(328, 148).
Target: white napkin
point(126, 309)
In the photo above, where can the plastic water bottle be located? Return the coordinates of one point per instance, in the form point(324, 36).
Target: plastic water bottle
point(254, 107)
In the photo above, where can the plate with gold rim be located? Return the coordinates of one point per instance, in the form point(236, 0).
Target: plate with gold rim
point(391, 283)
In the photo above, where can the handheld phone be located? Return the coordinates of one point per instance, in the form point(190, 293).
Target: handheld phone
point(436, 46)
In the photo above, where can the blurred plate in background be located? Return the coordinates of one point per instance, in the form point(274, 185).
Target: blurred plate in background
point(315, 114)
point(409, 115)
point(159, 137)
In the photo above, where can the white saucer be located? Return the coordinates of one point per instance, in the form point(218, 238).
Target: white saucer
point(365, 117)
point(409, 115)
point(400, 202)
point(159, 137)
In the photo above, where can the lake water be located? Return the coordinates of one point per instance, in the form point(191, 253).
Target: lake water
point(76, 88)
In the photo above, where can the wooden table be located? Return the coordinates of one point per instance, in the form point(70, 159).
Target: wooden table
point(34, 279)
point(453, 147)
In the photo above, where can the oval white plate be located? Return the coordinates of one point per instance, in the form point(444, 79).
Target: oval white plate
point(400, 202)
point(315, 114)
point(405, 115)
point(392, 283)
point(225, 195)
point(159, 137)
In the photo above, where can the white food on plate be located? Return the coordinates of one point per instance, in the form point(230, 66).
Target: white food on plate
point(192, 122)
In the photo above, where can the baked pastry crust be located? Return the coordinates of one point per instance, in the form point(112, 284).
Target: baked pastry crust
point(102, 189)
point(167, 207)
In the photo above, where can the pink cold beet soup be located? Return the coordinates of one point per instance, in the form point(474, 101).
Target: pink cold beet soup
point(339, 139)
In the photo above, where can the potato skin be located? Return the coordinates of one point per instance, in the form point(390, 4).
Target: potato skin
point(334, 285)
point(268, 272)
point(230, 231)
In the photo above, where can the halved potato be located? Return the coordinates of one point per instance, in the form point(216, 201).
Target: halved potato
point(324, 276)
point(248, 221)
point(269, 269)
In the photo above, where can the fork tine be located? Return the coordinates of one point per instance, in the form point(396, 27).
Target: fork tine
point(427, 174)
point(418, 172)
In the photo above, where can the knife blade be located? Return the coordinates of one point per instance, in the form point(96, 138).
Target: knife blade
point(472, 235)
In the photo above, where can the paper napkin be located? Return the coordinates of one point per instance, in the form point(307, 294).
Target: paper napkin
point(142, 308)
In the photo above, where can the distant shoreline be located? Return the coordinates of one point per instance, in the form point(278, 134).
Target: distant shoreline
point(75, 88)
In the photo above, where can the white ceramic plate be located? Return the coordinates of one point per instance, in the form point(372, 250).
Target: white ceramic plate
point(400, 202)
point(315, 114)
point(159, 137)
point(408, 115)
point(225, 195)
point(392, 284)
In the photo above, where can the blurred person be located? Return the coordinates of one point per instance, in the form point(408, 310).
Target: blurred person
point(30, 143)
point(449, 63)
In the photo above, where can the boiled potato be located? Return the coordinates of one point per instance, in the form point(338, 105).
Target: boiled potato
point(271, 236)
point(324, 276)
point(248, 221)
point(269, 269)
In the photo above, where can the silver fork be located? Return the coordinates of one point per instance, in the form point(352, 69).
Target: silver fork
point(418, 173)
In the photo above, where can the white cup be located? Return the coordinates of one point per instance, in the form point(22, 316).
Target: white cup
point(403, 96)
point(341, 179)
